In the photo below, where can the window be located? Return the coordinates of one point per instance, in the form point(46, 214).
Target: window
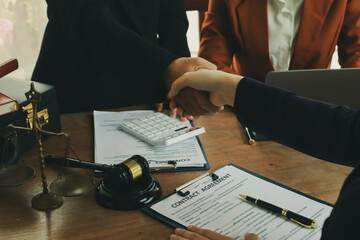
point(22, 23)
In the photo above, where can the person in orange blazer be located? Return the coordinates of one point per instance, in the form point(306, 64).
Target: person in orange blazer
point(235, 36)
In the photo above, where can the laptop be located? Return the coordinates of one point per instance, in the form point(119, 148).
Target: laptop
point(336, 86)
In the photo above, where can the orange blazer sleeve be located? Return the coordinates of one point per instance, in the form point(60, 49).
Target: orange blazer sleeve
point(349, 39)
point(217, 41)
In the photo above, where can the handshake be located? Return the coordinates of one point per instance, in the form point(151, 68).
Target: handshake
point(197, 88)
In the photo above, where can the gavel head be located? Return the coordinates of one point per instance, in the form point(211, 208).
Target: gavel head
point(127, 173)
point(128, 186)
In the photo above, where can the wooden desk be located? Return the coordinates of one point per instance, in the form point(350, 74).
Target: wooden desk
point(82, 218)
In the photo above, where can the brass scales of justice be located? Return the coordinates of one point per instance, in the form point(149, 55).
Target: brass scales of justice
point(47, 200)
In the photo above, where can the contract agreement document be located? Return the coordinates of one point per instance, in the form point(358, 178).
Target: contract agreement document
point(215, 204)
point(112, 145)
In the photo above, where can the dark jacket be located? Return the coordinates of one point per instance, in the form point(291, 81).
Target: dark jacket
point(110, 53)
point(322, 130)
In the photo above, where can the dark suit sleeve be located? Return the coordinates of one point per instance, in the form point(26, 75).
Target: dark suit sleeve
point(173, 27)
point(322, 130)
point(343, 220)
point(107, 38)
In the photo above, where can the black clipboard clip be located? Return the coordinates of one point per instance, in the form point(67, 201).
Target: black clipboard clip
point(180, 189)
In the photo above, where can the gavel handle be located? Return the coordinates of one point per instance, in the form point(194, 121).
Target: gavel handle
point(70, 162)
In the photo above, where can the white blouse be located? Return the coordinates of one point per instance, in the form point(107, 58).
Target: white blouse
point(283, 23)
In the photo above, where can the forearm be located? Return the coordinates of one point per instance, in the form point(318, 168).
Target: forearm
point(325, 131)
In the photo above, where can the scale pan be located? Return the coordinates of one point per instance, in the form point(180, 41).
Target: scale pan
point(14, 175)
point(72, 185)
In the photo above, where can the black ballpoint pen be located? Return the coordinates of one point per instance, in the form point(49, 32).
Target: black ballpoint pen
point(301, 220)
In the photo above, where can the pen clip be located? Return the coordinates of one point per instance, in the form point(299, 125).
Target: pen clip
point(180, 189)
point(313, 224)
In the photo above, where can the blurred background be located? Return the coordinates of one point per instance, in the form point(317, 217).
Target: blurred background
point(22, 24)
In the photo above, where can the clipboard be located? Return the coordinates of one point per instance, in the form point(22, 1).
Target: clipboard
point(220, 189)
point(118, 151)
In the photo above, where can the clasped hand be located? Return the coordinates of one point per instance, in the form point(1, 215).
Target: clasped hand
point(189, 102)
point(220, 86)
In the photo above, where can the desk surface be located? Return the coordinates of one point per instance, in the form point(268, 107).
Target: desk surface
point(82, 218)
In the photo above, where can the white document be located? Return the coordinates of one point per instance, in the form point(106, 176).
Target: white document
point(112, 145)
point(216, 205)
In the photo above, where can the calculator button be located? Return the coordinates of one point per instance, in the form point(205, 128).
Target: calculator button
point(160, 129)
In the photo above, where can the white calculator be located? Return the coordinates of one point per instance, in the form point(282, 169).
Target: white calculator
point(160, 129)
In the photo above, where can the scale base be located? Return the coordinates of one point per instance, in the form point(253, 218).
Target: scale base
point(46, 201)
